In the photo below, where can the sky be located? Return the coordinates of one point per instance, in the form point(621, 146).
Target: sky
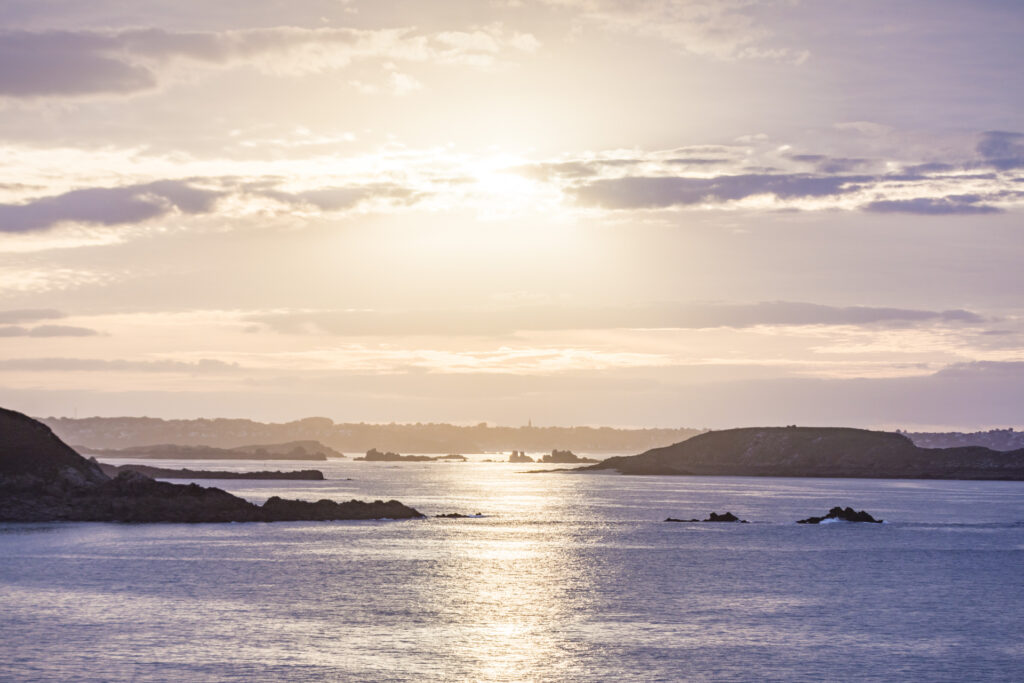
point(678, 213)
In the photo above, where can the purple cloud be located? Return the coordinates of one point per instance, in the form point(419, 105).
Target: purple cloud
point(107, 205)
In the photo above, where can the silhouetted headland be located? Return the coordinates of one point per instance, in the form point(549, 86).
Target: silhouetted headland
point(43, 479)
point(817, 452)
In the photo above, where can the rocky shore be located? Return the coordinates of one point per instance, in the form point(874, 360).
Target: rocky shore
point(43, 479)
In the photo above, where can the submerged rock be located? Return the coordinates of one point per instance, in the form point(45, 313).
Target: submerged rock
point(457, 515)
point(842, 515)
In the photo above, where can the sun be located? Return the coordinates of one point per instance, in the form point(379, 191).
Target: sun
point(499, 189)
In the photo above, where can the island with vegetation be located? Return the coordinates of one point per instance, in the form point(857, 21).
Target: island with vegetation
point(817, 452)
point(43, 479)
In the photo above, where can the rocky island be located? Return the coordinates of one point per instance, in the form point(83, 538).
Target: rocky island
point(43, 479)
point(186, 473)
point(564, 457)
point(839, 514)
point(817, 452)
point(373, 455)
point(713, 517)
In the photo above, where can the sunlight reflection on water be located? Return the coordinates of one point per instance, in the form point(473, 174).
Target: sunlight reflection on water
point(567, 577)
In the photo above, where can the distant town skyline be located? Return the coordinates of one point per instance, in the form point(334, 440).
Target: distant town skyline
point(664, 213)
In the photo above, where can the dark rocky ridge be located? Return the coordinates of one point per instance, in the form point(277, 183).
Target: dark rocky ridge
point(817, 452)
point(42, 479)
point(169, 473)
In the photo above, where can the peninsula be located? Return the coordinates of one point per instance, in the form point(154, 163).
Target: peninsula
point(42, 479)
point(817, 452)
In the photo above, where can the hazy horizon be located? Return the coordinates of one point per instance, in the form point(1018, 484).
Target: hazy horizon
point(535, 425)
point(655, 213)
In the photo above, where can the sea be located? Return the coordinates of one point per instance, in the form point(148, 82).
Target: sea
point(561, 577)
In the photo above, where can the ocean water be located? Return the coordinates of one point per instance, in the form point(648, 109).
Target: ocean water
point(565, 577)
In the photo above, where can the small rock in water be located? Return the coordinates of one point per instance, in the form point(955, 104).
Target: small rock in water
point(727, 517)
point(842, 514)
point(712, 517)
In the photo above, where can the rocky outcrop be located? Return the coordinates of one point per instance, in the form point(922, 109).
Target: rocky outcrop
point(519, 457)
point(842, 515)
point(186, 473)
point(373, 455)
point(42, 479)
point(564, 458)
point(282, 510)
point(712, 517)
point(817, 452)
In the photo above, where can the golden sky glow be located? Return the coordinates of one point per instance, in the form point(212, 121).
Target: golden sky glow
point(662, 212)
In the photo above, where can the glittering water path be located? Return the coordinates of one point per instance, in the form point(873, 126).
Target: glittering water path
point(566, 577)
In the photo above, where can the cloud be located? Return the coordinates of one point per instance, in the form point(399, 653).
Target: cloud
point(24, 315)
point(70, 63)
point(652, 316)
point(826, 164)
point(130, 204)
point(205, 365)
point(718, 29)
point(934, 206)
point(1002, 150)
point(66, 63)
point(346, 197)
point(662, 180)
point(991, 370)
point(46, 331)
point(108, 205)
point(661, 192)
